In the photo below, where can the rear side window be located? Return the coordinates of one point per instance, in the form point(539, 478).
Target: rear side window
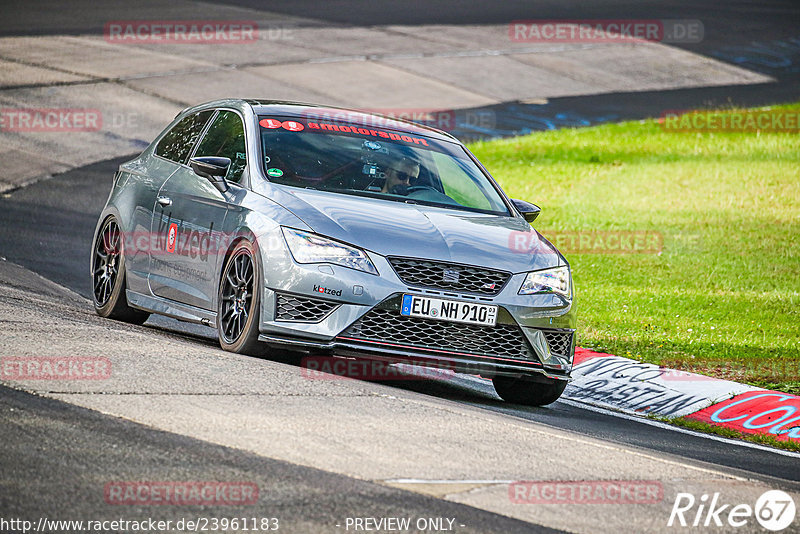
point(225, 137)
point(179, 141)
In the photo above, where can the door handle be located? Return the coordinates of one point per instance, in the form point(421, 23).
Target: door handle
point(165, 201)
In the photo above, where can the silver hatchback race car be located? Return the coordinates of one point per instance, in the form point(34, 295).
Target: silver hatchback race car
point(333, 231)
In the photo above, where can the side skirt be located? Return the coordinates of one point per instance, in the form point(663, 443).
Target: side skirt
point(162, 306)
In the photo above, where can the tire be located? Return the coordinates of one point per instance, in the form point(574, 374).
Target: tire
point(108, 276)
point(239, 300)
point(527, 391)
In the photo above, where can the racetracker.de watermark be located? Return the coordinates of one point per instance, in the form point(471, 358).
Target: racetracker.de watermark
point(192, 32)
point(50, 120)
point(586, 492)
point(331, 368)
point(588, 242)
point(175, 238)
point(731, 121)
point(606, 31)
point(171, 493)
point(442, 119)
point(54, 368)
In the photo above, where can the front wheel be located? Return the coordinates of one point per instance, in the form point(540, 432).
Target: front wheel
point(524, 390)
point(239, 301)
point(108, 276)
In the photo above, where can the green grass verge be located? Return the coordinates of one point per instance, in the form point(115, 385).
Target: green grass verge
point(700, 426)
point(722, 296)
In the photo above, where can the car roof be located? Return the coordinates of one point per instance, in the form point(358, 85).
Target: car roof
point(333, 113)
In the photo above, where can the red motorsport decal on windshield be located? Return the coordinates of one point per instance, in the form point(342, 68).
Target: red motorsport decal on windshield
point(606, 31)
point(393, 118)
point(55, 368)
point(50, 120)
point(181, 31)
point(587, 242)
point(151, 493)
point(347, 117)
point(324, 126)
point(731, 121)
point(331, 127)
point(757, 412)
point(331, 368)
point(586, 492)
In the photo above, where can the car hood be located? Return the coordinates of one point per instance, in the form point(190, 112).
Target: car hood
point(413, 230)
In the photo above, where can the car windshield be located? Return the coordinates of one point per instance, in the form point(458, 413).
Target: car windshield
point(368, 161)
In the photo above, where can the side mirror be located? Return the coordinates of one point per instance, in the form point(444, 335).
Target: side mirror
point(213, 169)
point(526, 209)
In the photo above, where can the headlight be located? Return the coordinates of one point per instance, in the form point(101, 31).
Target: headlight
point(312, 248)
point(555, 280)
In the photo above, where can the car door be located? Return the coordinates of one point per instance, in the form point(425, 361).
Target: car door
point(147, 176)
point(189, 219)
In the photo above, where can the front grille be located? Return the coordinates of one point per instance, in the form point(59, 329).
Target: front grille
point(388, 326)
point(302, 309)
point(559, 342)
point(449, 276)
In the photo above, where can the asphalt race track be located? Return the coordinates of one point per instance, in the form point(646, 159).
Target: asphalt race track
point(58, 218)
point(47, 228)
point(179, 408)
point(74, 462)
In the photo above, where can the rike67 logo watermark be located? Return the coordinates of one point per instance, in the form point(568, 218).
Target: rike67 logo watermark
point(774, 510)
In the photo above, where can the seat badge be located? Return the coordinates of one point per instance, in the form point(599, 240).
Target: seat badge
point(450, 276)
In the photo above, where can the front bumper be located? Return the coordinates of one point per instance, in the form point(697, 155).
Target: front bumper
point(390, 353)
point(341, 311)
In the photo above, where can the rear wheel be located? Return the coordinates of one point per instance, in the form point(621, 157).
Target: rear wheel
point(527, 390)
point(239, 301)
point(108, 276)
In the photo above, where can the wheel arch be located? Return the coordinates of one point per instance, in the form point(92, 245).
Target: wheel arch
point(243, 233)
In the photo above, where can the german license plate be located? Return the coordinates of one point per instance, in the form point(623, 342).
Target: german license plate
point(449, 310)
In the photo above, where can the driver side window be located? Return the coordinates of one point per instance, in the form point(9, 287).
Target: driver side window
point(178, 142)
point(225, 137)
